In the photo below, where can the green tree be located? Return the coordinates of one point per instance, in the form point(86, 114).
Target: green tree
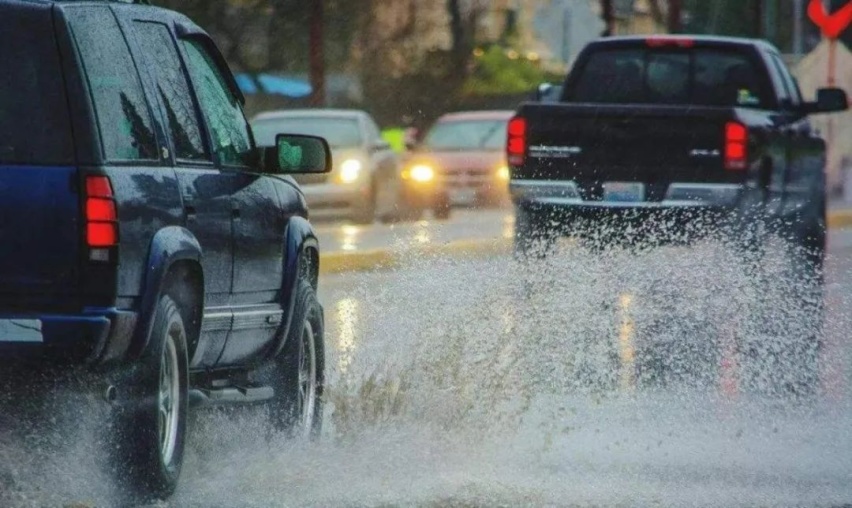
point(499, 71)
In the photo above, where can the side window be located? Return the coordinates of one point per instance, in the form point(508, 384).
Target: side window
point(667, 77)
point(777, 77)
point(122, 114)
point(373, 133)
point(228, 125)
point(792, 87)
point(161, 58)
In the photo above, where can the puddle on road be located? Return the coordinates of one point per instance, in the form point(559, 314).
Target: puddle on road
point(592, 378)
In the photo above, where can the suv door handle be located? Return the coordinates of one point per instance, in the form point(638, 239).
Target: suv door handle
point(190, 210)
point(235, 213)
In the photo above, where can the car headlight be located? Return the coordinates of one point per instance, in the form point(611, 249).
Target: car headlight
point(421, 173)
point(503, 173)
point(350, 170)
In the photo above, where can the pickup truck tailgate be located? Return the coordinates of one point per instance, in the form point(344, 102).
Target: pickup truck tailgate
point(656, 145)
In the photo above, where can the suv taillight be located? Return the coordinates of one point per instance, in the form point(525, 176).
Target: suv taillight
point(101, 217)
point(736, 146)
point(516, 144)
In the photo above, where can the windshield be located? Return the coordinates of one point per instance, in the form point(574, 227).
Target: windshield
point(467, 135)
point(34, 124)
point(339, 132)
point(706, 77)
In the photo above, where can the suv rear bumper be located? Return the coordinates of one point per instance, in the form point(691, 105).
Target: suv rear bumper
point(95, 337)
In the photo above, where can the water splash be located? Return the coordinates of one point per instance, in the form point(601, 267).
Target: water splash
point(602, 376)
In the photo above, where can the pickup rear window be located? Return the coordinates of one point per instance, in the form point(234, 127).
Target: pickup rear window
point(34, 124)
point(700, 76)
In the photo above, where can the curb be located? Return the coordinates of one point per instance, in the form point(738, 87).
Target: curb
point(839, 219)
point(378, 259)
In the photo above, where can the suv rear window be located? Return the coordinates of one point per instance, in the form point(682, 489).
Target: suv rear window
point(123, 117)
point(701, 76)
point(34, 123)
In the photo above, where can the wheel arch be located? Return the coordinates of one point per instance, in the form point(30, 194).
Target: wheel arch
point(301, 259)
point(174, 253)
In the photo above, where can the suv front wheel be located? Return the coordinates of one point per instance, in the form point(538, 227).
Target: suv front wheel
point(296, 374)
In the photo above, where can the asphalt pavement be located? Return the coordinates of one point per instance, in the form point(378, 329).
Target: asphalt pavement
point(510, 400)
point(596, 379)
point(591, 379)
point(463, 225)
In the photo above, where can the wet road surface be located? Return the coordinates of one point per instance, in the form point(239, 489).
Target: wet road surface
point(608, 378)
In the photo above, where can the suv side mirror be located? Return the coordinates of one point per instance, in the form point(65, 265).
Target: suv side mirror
point(296, 153)
point(829, 100)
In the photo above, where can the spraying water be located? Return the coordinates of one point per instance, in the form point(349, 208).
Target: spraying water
point(673, 375)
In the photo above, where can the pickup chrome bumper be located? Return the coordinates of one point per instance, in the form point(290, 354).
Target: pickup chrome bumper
point(678, 195)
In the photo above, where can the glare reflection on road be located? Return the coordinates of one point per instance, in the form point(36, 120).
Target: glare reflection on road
point(346, 322)
point(424, 234)
point(350, 238)
point(626, 351)
point(508, 226)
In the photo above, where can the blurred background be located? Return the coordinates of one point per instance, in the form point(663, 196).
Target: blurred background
point(407, 62)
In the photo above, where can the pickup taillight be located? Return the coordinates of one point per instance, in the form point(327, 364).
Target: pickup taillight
point(736, 146)
point(516, 144)
point(101, 217)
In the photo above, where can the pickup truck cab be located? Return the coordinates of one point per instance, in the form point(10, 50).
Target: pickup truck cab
point(145, 239)
point(677, 127)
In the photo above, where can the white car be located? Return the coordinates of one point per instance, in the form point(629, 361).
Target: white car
point(365, 183)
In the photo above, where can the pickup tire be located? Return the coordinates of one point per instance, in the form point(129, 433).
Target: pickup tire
point(296, 374)
point(150, 418)
point(532, 237)
point(365, 214)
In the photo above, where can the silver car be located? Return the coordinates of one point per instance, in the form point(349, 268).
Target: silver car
point(365, 182)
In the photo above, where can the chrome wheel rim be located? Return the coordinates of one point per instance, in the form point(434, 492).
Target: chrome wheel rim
point(307, 396)
point(167, 400)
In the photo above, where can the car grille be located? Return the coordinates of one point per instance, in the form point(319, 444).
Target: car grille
point(468, 177)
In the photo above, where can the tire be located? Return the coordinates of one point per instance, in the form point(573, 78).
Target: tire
point(389, 204)
point(297, 373)
point(412, 214)
point(150, 417)
point(532, 237)
point(366, 214)
point(443, 209)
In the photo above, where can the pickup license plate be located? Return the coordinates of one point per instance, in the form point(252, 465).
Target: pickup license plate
point(463, 196)
point(21, 330)
point(624, 192)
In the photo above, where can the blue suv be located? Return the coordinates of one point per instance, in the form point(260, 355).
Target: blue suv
point(145, 238)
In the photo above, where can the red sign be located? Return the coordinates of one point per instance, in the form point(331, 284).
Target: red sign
point(831, 25)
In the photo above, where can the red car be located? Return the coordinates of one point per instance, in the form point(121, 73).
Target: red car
point(463, 157)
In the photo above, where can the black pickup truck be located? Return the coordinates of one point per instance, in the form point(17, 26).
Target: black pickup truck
point(671, 126)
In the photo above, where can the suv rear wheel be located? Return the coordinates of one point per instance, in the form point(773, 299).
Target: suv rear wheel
point(150, 419)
